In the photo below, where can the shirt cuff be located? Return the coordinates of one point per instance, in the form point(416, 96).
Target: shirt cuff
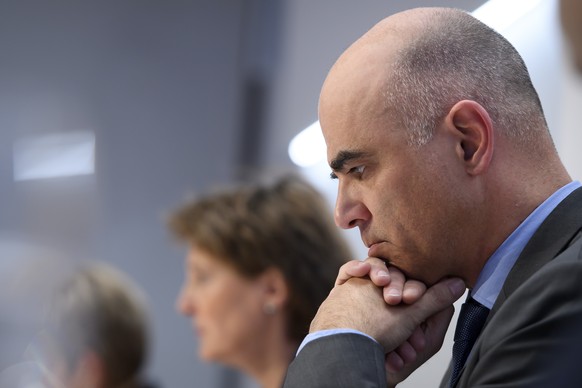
point(324, 333)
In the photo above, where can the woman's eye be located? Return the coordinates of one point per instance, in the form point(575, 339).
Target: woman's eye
point(201, 277)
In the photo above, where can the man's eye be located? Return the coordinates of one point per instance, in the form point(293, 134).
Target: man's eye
point(356, 170)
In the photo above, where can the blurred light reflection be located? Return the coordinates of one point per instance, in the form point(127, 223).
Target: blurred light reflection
point(55, 155)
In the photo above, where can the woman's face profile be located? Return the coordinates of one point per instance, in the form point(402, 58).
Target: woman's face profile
point(226, 308)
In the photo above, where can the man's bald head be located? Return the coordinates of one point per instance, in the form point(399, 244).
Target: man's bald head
point(418, 63)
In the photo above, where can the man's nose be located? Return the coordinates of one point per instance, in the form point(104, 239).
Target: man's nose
point(350, 210)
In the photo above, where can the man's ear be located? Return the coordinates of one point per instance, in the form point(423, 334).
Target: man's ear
point(274, 288)
point(472, 127)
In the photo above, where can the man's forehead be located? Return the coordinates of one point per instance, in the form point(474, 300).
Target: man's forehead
point(353, 94)
point(346, 142)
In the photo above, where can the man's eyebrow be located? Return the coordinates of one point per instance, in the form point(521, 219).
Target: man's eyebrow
point(342, 157)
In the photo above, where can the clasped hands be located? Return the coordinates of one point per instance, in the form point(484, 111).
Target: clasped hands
point(408, 319)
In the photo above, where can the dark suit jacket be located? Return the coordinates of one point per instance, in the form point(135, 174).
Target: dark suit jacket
point(532, 337)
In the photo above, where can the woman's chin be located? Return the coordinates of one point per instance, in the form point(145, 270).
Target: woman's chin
point(208, 355)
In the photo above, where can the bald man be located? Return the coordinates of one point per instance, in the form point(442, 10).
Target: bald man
point(444, 161)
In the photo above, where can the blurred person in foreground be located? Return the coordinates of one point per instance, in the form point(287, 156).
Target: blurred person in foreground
point(446, 165)
point(261, 259)
point(29, 273)
point(96, 335)
point(571, 21)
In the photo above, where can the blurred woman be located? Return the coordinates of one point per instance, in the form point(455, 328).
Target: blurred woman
point(261, 259)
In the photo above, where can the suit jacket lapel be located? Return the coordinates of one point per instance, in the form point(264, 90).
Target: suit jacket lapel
point(555, 234)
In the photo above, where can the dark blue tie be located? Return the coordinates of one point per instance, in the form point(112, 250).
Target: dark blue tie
point(471, 320)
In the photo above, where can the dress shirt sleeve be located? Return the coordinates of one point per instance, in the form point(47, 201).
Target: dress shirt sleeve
point(324, 333)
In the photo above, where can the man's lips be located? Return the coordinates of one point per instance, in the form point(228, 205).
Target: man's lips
point(374, 250)
point(369, 242)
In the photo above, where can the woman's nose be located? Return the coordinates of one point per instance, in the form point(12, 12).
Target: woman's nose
point(185, 302)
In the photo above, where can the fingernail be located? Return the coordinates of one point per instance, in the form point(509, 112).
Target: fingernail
point(382, 274)
point(457, 286)
point(393, 292)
